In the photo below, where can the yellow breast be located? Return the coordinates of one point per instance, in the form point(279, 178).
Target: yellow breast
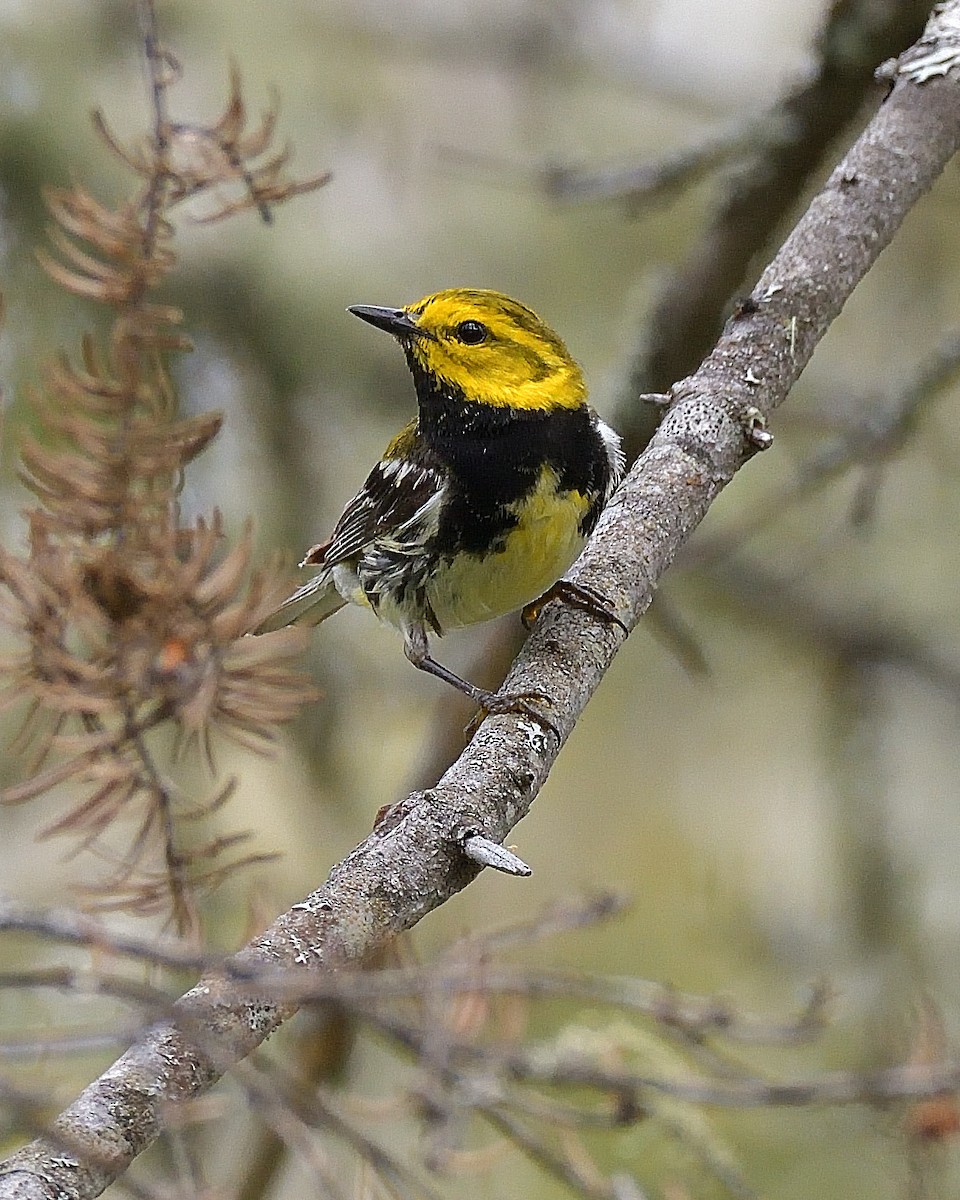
point(536, 553)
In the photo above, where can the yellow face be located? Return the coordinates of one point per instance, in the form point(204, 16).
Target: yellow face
point(493, 350)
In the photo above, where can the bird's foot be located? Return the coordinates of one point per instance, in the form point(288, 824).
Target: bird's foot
point(524, 703)
point(577, 595)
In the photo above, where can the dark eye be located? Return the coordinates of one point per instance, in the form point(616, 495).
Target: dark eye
point(471, 333)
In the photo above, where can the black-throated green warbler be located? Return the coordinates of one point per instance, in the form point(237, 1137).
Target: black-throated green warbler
point(480, 504)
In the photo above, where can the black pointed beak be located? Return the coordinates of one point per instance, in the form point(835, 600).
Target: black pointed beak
point(391, 320)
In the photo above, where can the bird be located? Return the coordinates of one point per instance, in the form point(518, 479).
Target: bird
point(481, 502)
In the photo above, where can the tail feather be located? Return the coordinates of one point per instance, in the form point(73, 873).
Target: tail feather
point(310, 604)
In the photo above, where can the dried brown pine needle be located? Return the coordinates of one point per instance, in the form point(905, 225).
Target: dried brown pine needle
point(128, 619)
point(218, 160)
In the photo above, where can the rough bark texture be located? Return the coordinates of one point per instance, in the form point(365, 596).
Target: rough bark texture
point(412, 861)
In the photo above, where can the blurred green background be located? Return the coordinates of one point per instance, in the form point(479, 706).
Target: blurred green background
point(790, 816)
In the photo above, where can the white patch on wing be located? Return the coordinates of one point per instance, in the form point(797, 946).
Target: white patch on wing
point(392, 566)
point(615, 456)
point(426, 520)
point(396, 470)
point(394, 501)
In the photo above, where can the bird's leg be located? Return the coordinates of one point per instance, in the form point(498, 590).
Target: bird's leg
point(417, 650)
point(577, 596)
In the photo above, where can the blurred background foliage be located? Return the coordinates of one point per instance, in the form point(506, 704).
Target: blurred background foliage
point(789, 815)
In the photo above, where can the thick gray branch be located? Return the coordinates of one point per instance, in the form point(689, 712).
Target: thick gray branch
point(413, 861)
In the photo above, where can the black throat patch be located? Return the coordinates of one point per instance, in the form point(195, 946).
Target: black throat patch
point(495, 455)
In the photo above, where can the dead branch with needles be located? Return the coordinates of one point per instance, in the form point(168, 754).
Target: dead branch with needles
point(129, 619)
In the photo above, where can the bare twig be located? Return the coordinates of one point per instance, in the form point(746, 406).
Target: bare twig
point(885, 428)
point(875, 637)
point(271, 1089)
point(453, 974)
point(857, 34)
point(655, 180)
